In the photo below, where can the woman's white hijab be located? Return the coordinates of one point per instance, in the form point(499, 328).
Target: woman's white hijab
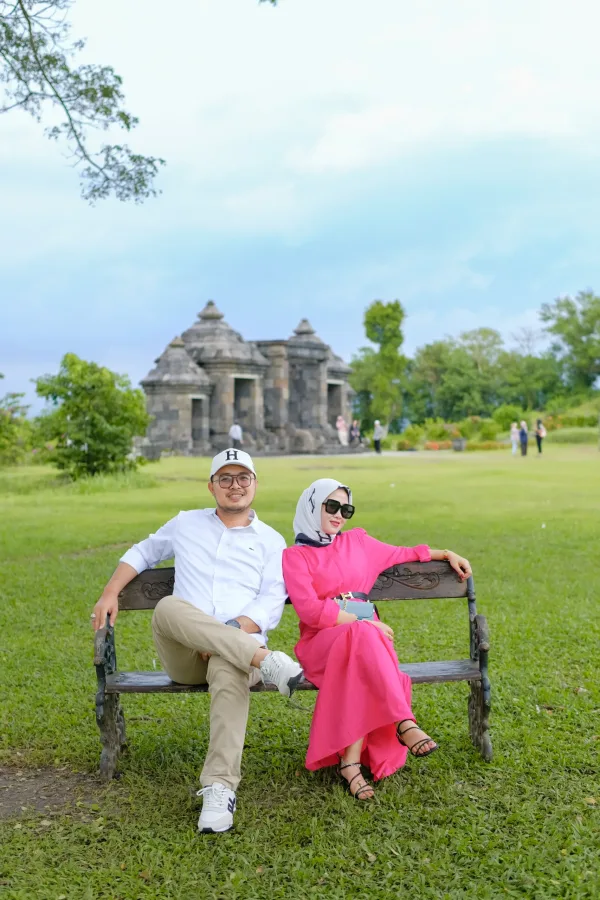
point(307, 520)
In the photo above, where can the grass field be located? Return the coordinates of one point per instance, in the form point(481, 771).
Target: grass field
point(525, 825)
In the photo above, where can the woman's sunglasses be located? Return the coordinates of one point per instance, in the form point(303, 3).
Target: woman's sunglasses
point(333, 506)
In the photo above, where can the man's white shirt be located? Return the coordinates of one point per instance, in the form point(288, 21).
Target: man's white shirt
point(225, 572)
point(235, 433)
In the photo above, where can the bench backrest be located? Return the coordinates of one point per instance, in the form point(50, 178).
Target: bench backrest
point(410, 581)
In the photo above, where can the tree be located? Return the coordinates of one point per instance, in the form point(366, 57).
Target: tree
point(378, 375)
point(529, 381)
point(454, 378)
point(37, 68)
point(14, 429)
point(95, 416)
point(575, 323)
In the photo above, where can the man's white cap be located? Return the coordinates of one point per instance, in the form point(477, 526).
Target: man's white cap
point(235, 458)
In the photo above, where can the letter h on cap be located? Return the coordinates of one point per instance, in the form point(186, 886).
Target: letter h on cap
point(231, 454)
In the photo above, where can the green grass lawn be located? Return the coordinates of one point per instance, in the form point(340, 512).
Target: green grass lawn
point(525, 825)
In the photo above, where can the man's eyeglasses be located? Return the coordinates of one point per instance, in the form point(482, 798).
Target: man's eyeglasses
point(244, 479)
point(332, 506)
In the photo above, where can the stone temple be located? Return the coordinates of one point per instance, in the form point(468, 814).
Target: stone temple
point(286, 394)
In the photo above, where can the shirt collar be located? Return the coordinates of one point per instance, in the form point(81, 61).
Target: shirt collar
point(254, 520)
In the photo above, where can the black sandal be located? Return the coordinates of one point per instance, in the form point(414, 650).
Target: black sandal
point(414, 750)
point(366, 787)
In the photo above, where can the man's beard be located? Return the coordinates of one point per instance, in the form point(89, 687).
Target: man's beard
point(242, 506)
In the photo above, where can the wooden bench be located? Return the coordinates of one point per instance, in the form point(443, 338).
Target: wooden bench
point(403, 582)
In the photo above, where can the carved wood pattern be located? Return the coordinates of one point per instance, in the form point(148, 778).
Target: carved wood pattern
point(418, 581)
point(147, 588)
point(155, 591)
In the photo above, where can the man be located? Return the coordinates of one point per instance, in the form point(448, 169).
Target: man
point(228, 593)
point(378, 435)
point(235, 435)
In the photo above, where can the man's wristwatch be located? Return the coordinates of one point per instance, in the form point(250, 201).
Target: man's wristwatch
point(234, 623)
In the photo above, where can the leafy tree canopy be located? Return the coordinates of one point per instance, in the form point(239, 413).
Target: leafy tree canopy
point(95, 416)
point(575, 324)
point(15, 429)
point(377, 375)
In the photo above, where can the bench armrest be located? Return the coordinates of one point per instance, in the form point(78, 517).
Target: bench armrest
point(105, 654)
point(482, 634)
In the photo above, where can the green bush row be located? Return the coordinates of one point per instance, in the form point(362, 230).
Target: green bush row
point(573, 436)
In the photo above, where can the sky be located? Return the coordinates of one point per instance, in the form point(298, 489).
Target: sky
point(320, 155)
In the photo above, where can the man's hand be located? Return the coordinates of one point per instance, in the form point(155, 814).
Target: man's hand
point(389, 632)
point(108, 604)
point(460, 565)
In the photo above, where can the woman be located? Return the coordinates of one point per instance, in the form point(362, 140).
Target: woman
point(523, 437)
point(514, 438)
point(355, 433)
point(363, 713)
point(540, 434)
point(342, 430)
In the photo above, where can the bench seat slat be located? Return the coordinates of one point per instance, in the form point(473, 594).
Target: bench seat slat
point(160, 683)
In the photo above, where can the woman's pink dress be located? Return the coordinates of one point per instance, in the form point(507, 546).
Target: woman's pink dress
point(362, 692)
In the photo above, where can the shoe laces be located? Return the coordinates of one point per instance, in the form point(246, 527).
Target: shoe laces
point(213, 796)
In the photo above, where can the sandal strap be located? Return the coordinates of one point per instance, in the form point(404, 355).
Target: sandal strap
point(406, 730)
point(416, 747)
point(352, 780)
point(366, 787)
point(348, 765)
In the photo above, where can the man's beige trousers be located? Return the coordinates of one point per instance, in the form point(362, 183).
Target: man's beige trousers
point(181, 633)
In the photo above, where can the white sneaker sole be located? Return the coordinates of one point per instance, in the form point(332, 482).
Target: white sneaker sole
point(215, 830)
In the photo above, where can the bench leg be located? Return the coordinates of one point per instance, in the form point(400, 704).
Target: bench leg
point(122, 730)
point(112, 734)
point(479, 713)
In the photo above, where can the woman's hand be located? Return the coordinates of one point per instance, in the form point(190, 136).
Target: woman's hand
point(460, 565)
point(389, 632)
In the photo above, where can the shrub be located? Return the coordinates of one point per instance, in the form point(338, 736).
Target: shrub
point(404, 445)
point(485, 445)
point(438, 445)
point(553, 423)
point(488, 430)
point(436, 429)
point(413, 435)
point(468, 427)
point(573, 436)
point(505, 415)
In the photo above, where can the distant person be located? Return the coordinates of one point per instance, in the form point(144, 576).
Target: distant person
point(235, 435)
point(355, 437)
point(514, 438)
point(342, 430)
point(378, 435)
point(523, 437)
point(540, 434)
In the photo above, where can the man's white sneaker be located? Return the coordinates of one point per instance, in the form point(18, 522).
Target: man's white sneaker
point(218, 807)
point(279, 669)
